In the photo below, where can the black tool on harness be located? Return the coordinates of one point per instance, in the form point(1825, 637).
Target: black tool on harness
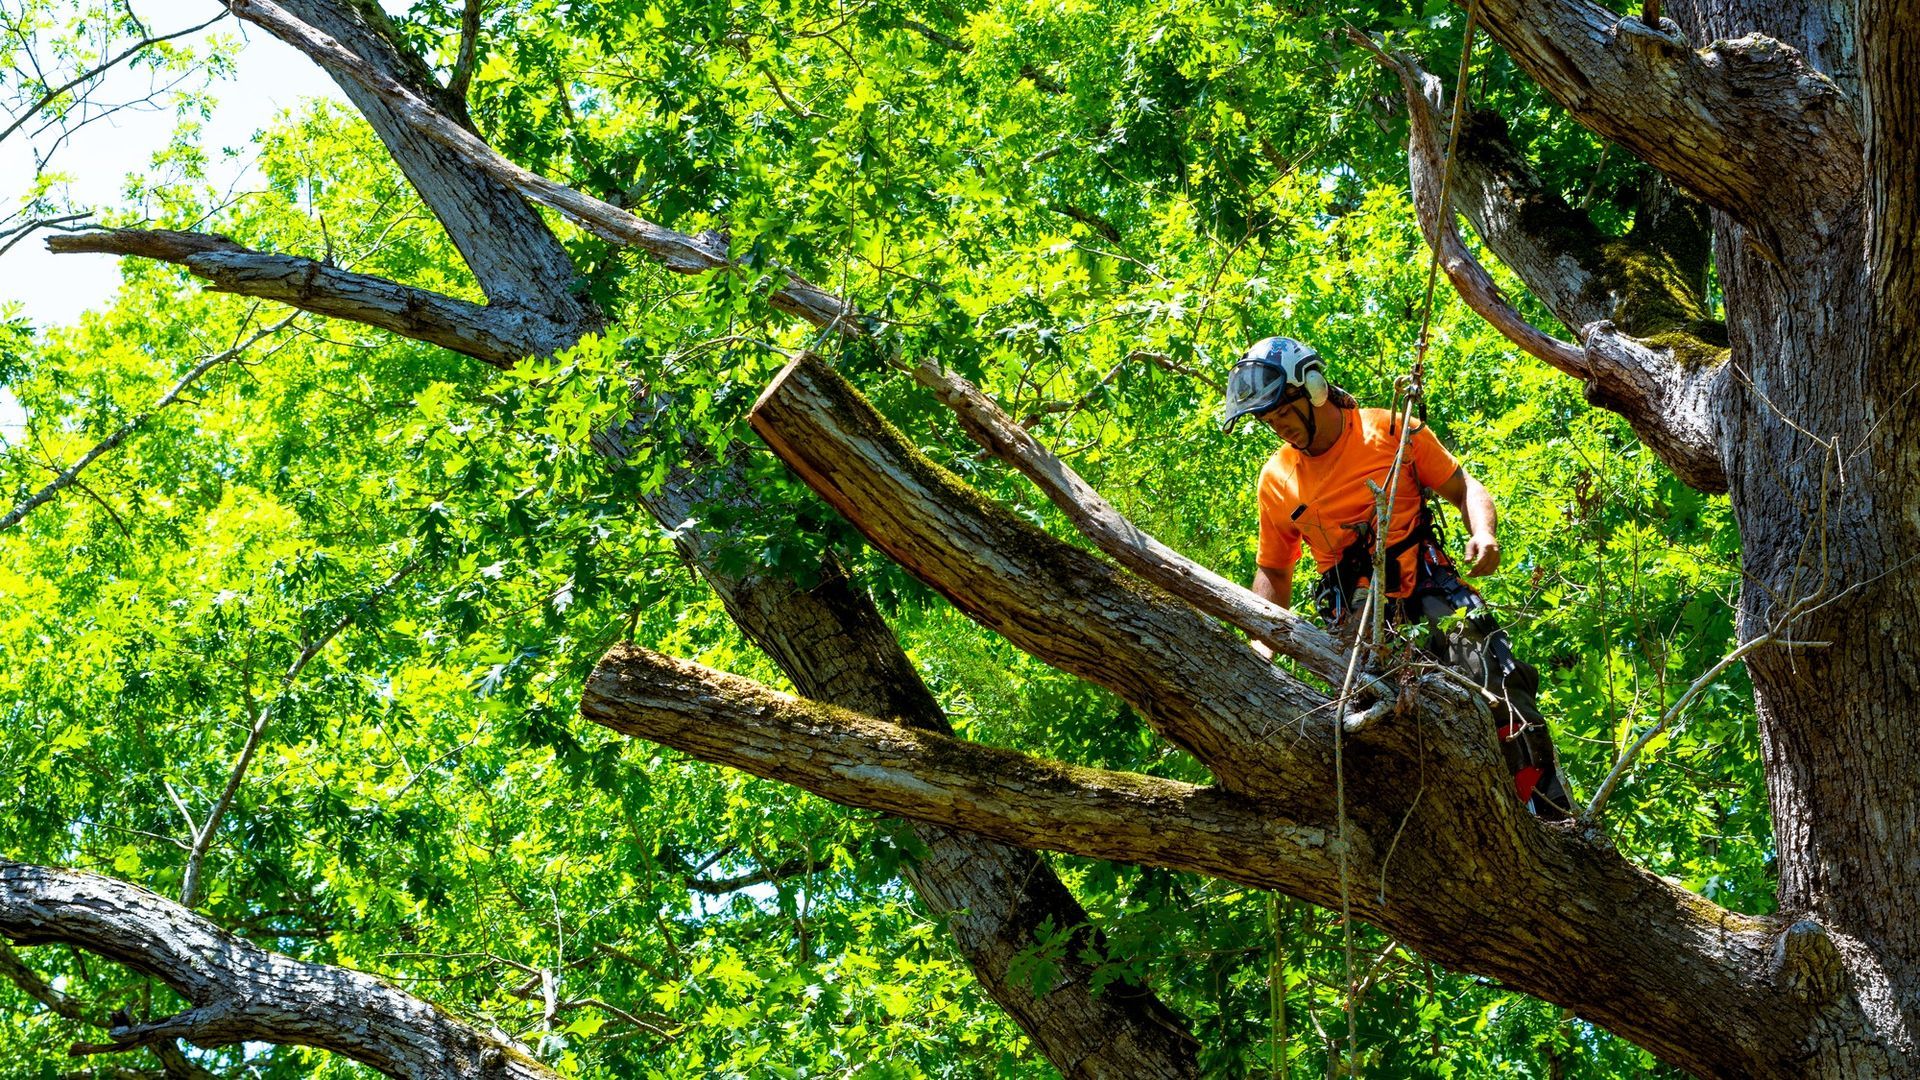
point(1335, 596)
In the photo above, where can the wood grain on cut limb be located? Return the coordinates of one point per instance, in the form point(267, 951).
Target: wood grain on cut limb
point(238, 992)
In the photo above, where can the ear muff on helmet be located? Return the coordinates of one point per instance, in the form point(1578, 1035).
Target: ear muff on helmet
point(1315, 381)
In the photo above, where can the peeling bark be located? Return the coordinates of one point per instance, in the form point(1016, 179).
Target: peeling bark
point(239, 992)
point(501, 336)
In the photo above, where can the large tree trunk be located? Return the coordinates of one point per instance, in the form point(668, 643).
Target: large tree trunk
point(1815, 422)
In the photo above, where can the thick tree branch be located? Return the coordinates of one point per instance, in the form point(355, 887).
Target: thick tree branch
point(1627, 949)
point(239, 992)
point(1210, 693)
point(461, 76)
point(1664, 386)
point(1747, 125)
point(1032, 802)
point(475, 209)
point(501, 335)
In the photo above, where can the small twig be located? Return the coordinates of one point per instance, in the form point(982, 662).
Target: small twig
point(190, 886)
point(72, 472)
point(34, 986)
point(1672, 714)
point(53, 93)
point(28, 228)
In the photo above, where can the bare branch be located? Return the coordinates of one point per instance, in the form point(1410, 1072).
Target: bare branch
point(71, 474)
point(1667, 719)
point(27, 228)
point(239, 992)
point(53, 93)
point(501, 335)
point(1004, 794)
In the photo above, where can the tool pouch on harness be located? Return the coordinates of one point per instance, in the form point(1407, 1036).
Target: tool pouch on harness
point(1339, 589)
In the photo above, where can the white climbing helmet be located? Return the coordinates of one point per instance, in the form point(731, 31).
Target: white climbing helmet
point(1270, 373)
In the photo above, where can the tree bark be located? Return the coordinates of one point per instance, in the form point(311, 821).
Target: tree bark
point(1816, 420)
point(240, 992)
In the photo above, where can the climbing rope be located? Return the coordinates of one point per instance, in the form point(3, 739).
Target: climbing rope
point(1371, 628)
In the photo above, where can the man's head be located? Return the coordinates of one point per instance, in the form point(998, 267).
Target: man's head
point(1282, 383)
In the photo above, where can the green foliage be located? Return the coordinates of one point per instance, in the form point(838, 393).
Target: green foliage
point(1088, 208)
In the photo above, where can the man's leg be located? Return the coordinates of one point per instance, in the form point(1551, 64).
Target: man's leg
point(1478, 648)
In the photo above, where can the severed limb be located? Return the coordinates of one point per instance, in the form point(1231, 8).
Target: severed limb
point(1195, 682)
point(239, 992)
point(1004, 794)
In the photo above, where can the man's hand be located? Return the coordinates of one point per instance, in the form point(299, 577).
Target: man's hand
point(1483, 555)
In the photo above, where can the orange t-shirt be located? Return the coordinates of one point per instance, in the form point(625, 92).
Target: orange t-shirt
point(1311, 498)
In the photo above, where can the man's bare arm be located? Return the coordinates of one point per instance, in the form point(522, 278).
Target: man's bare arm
point(1477, 510)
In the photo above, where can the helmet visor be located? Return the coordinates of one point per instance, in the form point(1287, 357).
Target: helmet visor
point(1253, 387)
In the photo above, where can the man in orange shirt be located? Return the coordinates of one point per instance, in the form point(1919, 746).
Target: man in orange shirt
point(1314, 490)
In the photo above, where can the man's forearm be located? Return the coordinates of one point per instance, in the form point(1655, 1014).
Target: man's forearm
point(1479, 513)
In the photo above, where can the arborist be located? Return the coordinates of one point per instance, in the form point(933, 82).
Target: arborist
point(1314, 489)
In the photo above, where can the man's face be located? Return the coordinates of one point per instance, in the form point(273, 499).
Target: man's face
point(1289, 421)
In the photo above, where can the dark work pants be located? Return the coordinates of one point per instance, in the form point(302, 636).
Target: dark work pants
point(1475, 646)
